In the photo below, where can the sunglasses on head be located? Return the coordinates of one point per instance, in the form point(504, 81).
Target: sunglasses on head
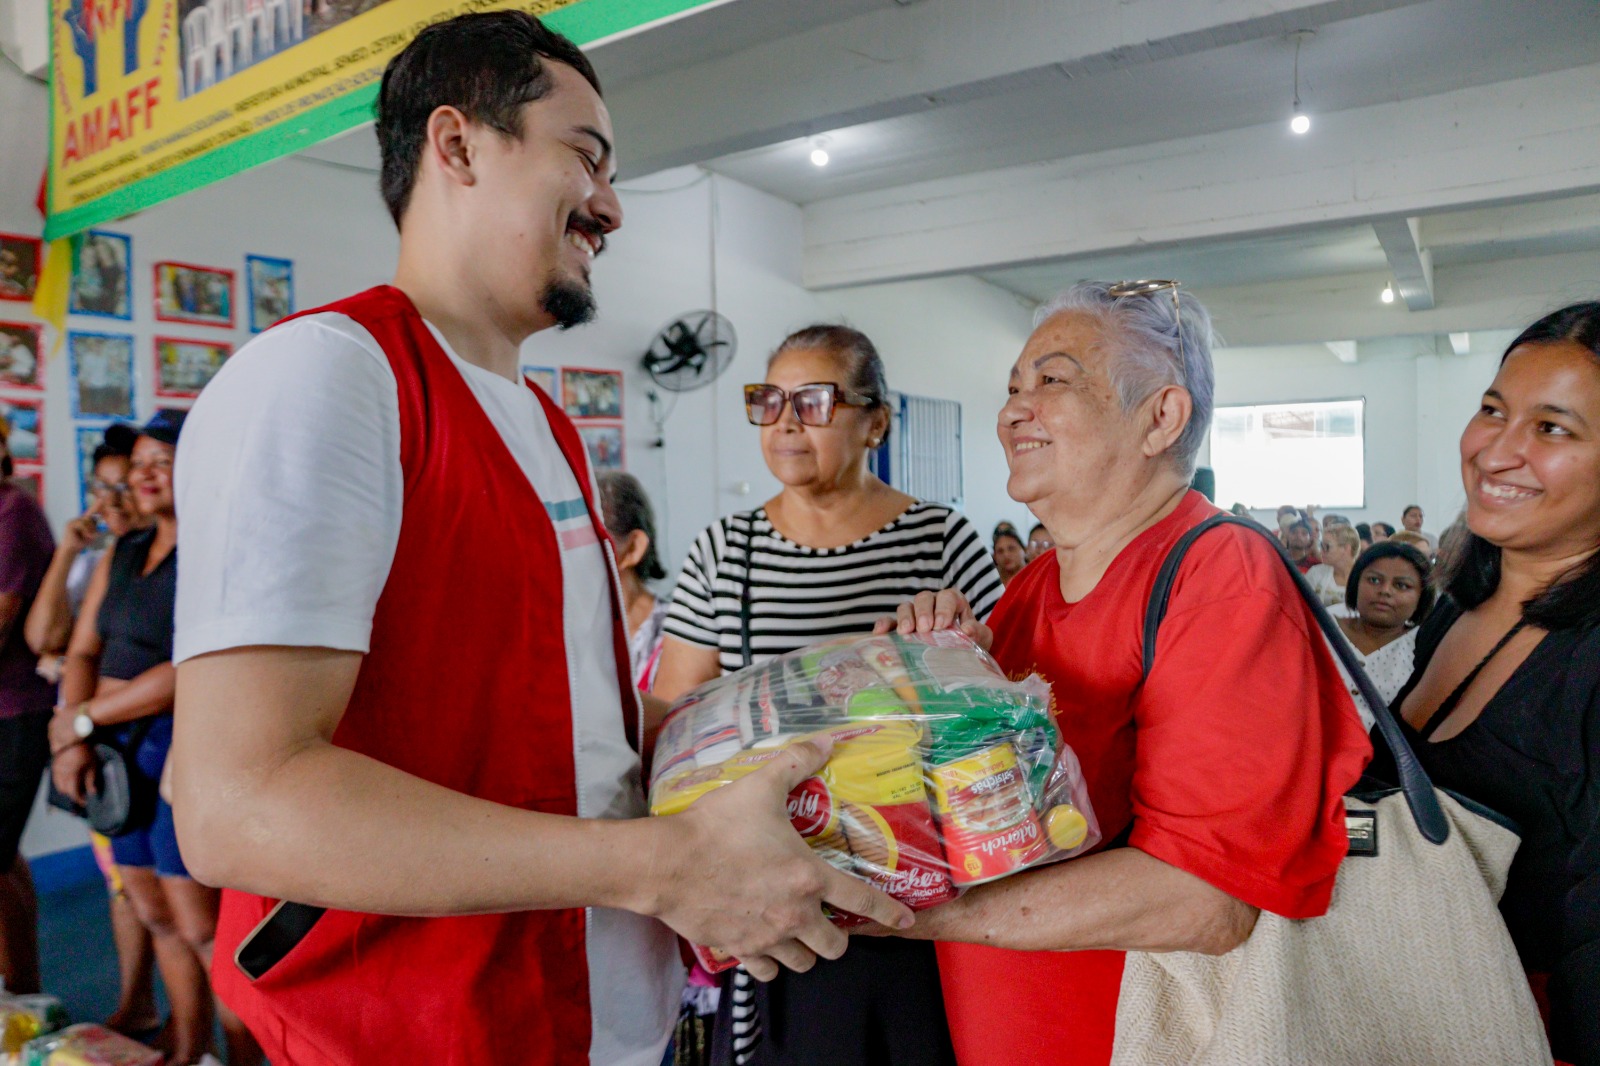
point(1151, 287)
point(813, 404)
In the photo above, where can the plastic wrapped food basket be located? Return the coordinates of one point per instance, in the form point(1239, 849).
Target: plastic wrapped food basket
point(944, 773)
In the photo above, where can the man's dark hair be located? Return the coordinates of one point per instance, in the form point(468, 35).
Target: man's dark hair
point(1574, 598)
point(487, 65)
point(1388, 549)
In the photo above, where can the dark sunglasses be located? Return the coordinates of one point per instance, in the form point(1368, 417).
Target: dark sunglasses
point(814, 404)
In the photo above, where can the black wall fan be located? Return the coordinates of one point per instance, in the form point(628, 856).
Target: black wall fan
point(691, 350)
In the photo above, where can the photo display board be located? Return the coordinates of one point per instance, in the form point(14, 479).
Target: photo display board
point(152, 98)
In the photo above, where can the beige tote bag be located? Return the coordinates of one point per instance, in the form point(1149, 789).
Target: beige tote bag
point(1411, 966)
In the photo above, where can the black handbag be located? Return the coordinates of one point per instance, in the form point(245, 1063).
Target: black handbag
point(123, 798)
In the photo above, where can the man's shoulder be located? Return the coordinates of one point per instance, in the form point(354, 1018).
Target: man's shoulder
point(327, 327)
point(316, 350)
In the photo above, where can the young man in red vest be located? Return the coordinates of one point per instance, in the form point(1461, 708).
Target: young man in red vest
point(403, 689)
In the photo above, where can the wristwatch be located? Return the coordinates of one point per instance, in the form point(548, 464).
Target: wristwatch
point(82, 724)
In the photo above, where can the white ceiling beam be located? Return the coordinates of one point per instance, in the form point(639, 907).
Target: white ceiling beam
point(1527, 139)
point(1345, 351)
point(1409, 262)
point(1505, 294)
point(903, 59)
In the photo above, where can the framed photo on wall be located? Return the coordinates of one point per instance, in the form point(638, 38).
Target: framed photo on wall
point(21, 355)
point(270, 283)
point(25, 437)
point(545, 378)
point(102, 374)
point(198, 295)
point(20, 261)
point(589, 393)
point(88, 438)
point(101, 276)
point(604, 441)
point(185, 366)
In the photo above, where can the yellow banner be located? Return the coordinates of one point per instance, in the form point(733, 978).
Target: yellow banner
point(152, 98)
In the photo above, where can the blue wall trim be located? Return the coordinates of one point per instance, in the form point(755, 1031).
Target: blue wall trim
point(60, 870)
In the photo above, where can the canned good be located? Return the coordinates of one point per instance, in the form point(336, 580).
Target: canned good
point(986, 816)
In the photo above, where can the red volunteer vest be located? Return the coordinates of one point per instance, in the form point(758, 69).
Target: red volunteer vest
point(465, 686)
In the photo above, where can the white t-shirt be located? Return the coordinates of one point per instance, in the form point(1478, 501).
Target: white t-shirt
point(290, 493)
point(1389, 667)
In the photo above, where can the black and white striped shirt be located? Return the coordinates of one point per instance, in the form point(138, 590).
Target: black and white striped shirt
point(800, 595)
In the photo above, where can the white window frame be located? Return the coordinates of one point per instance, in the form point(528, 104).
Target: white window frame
point(1303, 491)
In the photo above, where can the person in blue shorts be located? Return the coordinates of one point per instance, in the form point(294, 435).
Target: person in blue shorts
point(117, 684)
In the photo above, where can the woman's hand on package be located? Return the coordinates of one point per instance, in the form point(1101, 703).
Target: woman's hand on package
point(738, 877)
point(945, 609)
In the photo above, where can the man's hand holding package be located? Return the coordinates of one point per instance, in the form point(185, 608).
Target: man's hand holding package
point(735, 874)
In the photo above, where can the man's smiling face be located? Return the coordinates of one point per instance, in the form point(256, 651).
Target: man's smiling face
point(547, 202)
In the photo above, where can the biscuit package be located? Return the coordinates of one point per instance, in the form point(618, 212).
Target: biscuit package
point(88, 1045)
point(944, 774)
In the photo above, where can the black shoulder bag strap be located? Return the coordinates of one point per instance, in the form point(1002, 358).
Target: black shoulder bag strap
point(746, 657)
point(1420, 796)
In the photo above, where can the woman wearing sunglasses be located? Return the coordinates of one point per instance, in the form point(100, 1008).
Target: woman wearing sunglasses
point(833, 552)
point(110, 515)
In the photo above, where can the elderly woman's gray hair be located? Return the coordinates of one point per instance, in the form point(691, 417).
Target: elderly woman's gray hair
point(1150, 358)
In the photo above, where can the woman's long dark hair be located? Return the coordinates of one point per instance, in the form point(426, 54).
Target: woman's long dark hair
point(1574, 599)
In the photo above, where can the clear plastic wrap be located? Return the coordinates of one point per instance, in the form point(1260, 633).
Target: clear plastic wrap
point(944, 774)
point(22, 1018)
point(88, 1045)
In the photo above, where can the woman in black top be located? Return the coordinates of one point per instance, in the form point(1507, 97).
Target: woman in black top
point(1506, 694)
point(118, 682)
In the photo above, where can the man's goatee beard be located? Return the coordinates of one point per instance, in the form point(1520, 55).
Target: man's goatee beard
point(570, 303)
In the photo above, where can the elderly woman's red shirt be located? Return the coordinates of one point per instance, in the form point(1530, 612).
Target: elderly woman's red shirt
point(1230, 761)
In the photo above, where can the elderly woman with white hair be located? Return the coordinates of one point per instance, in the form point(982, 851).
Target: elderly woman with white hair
point(1217, 778)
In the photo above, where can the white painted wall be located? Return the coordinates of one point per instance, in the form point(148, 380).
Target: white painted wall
point(1417, 405)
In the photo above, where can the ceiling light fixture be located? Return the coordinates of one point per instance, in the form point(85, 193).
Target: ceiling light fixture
point(819, 157)
point(1387, 295)
point(1301, 122)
